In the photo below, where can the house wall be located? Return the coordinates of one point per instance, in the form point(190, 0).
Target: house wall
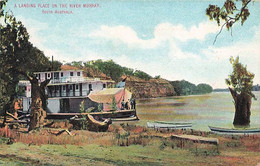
point(54, 105)
point(28, 91)
point(61, 77)
point(26, 103)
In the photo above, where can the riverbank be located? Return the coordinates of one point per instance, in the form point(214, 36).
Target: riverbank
point(125, 144)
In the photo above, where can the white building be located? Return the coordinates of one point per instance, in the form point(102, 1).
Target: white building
point(66, 89)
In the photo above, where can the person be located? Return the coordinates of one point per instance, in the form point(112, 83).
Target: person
point(126, 105)
point(134, 103)
point(122, 104)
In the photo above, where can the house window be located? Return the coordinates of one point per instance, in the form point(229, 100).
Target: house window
point(64, 87)
point(77, 86)
point(104, 85)
point(61, 74)
point(45, 76)
point(70, 87)
point(90, 87)
point(56, 75)
point(78, 73)
point(49, 75)
point(71, 73)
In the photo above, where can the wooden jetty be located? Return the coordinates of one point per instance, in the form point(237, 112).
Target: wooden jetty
point(198, 139)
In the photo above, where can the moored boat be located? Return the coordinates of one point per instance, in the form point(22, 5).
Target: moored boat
point(163, 124)
point(131, 118)
point(232, 130)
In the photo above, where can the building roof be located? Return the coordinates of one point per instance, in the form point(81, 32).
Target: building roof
point(106, 95)
point(108, 91)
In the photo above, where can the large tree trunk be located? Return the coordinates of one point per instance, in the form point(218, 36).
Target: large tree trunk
point(242, 107)
point(38, 114)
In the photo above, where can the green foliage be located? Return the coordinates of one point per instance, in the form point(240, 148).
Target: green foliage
point(83, 120)
point(186, 88)
point(18, 57)
point(240, 79)
point(229, 12)
point(82, 107)
point(113, 106)
point(111, 69)
point(141, 74)
point(204, 88)
point(157, 77)
point(128, 71)
point(99, 108)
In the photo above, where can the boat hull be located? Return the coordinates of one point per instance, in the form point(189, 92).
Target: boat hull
point(168, 125)
point(236, 131)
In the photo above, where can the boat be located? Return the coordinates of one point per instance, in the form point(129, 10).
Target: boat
point(232, 130)
point(170, 122)
point(164, 124)
point(131, 118)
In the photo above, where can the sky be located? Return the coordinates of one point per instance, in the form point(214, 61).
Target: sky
point(170, 38)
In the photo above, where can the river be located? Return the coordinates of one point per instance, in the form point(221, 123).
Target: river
point(214, 109)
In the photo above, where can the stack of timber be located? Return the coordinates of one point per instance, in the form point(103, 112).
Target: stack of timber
point(13, 121)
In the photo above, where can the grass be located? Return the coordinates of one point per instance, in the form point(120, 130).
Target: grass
point(117, 155)
point(124, 145)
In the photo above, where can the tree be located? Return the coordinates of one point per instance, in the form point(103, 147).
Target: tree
point(113, 104)
point(128, 71)
point(20, 59)
point(186, 88)
point(204, 88)
point(229, 13)
point(240, 83)
point(142, 75)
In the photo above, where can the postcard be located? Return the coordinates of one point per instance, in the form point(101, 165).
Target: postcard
point(143, 82)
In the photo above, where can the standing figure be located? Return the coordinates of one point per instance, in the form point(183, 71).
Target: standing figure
point(122, 104)
point(126, 105)
point(134, 103)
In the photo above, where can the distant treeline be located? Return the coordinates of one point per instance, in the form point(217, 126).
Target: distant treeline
point(111, 69)
point(186, 88)
point(255, 88)
point(115, 72)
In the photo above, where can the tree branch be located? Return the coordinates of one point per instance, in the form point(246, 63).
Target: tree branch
point(45, 82)
point(232, 19)
point(219, 33)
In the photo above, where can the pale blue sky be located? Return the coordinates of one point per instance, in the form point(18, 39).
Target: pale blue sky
point(173, 39)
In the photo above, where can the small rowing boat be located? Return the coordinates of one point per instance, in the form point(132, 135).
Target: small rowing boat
point(163, 124)
point(237, 131)
point(132, 118)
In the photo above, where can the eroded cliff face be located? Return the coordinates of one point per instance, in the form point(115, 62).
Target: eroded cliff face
point(149, 89)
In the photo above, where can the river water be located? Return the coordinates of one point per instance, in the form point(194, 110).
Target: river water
point(214, 109)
